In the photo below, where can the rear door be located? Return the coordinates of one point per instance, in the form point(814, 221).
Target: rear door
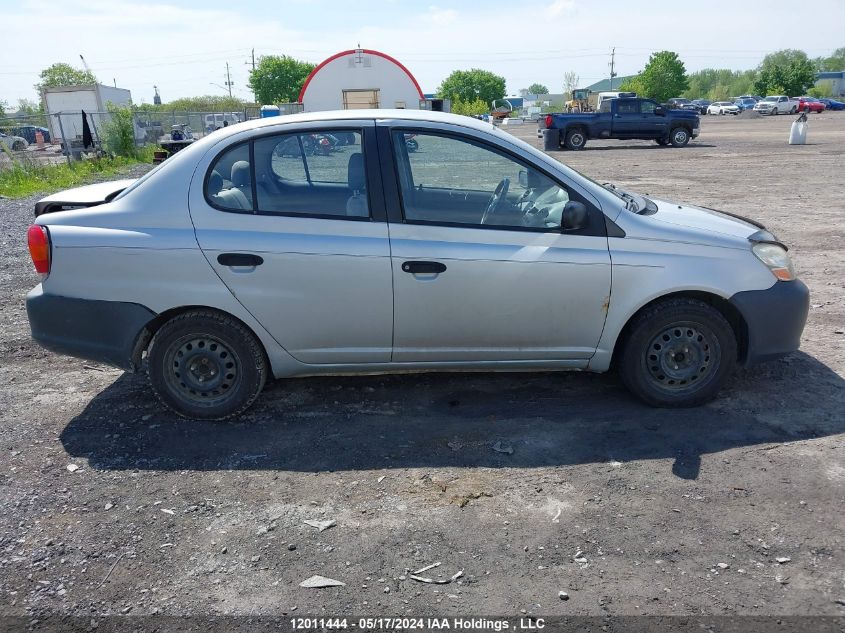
point(627, 121)
point(298, 234)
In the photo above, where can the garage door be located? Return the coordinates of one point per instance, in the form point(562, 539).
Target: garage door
point(360, 99)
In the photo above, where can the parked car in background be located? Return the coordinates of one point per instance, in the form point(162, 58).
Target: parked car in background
point(776, 104)
point(810, 104)
point(754, 98)
point(626, 118)
point(230, 265)
point(679, 103)
point(745, 103)
point(15, 143)
point(723, 107)
point(833, 104)
point(28, 132)
point(702, 105)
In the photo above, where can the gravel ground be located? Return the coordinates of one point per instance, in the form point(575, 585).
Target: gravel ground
point(530, 484)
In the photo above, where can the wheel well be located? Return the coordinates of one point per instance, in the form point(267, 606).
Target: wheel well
point(725, 307)
point(142, 344)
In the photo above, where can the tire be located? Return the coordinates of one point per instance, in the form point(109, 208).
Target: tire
point(679, 136)
point(774, 111)
point(205, 365)
point(793, 110)
point(677, 353)
point(575, 139)
point(18, 146)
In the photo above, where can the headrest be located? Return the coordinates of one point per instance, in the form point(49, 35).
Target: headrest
point(215, 183)
point(355, 172)
point(241, 174)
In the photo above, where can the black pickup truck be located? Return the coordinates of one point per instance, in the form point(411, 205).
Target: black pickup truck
point(624, 118)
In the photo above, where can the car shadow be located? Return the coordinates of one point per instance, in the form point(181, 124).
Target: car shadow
point(646, 145)
point(456, 420)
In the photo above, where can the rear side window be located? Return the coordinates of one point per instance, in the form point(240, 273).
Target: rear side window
point(317, 174)
point(229, 185)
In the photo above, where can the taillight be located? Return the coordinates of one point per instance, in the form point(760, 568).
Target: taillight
point(39, 248)
point(548, 121)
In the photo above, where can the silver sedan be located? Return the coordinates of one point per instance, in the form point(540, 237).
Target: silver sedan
point(327, 243)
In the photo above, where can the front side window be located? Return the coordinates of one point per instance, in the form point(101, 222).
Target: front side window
point(647, 107)
point(448, 180)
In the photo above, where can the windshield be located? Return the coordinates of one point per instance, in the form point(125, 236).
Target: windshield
point(770, 99)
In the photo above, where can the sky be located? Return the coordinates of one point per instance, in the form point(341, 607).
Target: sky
point(183, 46)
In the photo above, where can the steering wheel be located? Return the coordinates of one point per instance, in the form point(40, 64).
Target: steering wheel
point(496, 199)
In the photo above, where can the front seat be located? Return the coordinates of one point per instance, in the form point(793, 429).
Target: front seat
point(356, 205)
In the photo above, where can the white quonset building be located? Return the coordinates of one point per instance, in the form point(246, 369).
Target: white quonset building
point(360, 78)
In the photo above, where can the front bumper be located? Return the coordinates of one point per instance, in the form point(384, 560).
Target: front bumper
point(102, 331)
point(775, 318)
point(695, 132)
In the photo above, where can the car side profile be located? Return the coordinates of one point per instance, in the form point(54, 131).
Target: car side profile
point(723, 107)
point(240, 259)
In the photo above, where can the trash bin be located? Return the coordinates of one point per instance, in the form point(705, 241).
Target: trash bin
point(551, 139)
point(798, 131)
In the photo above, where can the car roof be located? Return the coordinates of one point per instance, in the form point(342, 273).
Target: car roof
point(350, 115)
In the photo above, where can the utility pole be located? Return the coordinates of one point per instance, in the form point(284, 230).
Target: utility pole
point(254, 95)
point(612, 66)
point(229, 82)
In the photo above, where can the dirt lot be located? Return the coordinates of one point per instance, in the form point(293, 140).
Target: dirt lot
point(629, 510)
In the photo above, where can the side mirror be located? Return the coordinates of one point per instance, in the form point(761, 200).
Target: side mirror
point(523, 178)
point(660, 111)
point(574, 216)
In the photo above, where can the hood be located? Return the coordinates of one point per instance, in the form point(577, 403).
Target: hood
point(81, 197)
point(704, 226)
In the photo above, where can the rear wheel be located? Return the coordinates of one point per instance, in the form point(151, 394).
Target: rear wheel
point(575, 139)
point(18, 146)
point(205, 365)
point(678, 353)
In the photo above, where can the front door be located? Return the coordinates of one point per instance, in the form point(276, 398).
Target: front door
point(481, 268)
point(286, 221)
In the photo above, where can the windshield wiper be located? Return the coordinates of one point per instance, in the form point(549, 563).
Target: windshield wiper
point(630, 201)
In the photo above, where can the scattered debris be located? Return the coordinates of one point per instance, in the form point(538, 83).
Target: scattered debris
point(722, 565)
point(556, 518)
point(783, 559)
point(381, 479)
point(427, 567)
point(291, 547)
point(168, 511)
point(109, 506)
point(72, 468)
point(111, 569)
point(563, 595)
point(784, 580)
point(319, 582)
point(432, 581)
point(321, 525)
point(507, 449)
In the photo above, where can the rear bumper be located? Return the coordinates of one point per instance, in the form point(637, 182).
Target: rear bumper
point(775, 318)
point(101, 331)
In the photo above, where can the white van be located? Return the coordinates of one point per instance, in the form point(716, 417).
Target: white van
point(213, 121)
point(612, 95)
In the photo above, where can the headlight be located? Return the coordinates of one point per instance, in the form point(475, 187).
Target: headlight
point(776, 258)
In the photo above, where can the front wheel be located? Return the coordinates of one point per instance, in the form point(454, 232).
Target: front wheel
point(575, 140)
point(206, 365)
point(678, 353)
point(679, 137)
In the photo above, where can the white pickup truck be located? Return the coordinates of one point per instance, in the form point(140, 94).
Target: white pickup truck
point(777, 104)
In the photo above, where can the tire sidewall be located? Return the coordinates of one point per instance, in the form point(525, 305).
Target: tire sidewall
point(575, 135)
point(635, 375)
point(243, 345)
point(676, 131)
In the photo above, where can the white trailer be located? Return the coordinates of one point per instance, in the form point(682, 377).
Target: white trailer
point(65, 103)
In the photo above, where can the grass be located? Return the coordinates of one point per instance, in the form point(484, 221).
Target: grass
point(24, 178)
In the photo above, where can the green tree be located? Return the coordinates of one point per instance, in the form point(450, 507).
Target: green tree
point(469, 85)
point(278, 79)
point(3, 106)
point(118, 131)
point(538, 89)
point(64, 75)
point(787, 72)
point(662, 78)
point(835, 62)
point(470, 108)
point(29, 107)
point(203, 103)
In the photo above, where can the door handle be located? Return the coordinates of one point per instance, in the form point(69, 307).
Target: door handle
point(239, 259)
point(423, 268)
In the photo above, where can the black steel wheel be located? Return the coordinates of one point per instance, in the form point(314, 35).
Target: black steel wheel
point(206, 365)
point(678, 353)
point(575, 139)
